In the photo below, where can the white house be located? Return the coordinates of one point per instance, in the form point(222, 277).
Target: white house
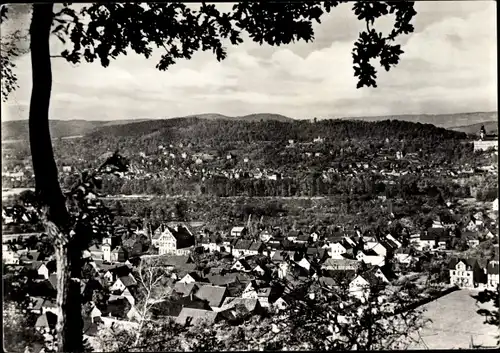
point(462, 272)
point(492, 273)
point(494, 205)
point(374, 259)
point(175, 241)
point(237, 232)
point(359, 287)
point(9, 257)
point(403, 256)
point(394, 240)
point(43, 271)
point(304, 263)
point(378, 248)
point(336, 250)
point(187, 279)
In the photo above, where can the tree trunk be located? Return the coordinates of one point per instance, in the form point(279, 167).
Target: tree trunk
point(48, 190)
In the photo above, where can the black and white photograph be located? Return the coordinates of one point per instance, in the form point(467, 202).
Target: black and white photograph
point(249, 176)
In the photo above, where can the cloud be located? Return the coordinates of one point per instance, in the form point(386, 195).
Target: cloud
point(449, 65)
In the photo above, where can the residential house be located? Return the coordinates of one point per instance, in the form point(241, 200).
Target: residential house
point(119, 254)
point(9, 256)
point(362, 284)
point(404, 256)
point(302, 238)
point(472, 238)
point(259, 290)
point(304, 263)
point(49, 306)
point(241, 265)
point(431, 237)
point(35, 305)
point(193, 316)
point(294, 234)
point(123, 283)
point(237, 232)
point(176, 241)
point(41, 269)
point(492, 274)
point(215, 295)
point(370, 257)
point(191, 277)
point(211, 243)
point(257, 247)
point(340, 264)
point(376, 247)
point(46, 323)
point(186, 289)
point(466, 273)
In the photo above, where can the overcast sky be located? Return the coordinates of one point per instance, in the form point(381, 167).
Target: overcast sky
point(449, 66)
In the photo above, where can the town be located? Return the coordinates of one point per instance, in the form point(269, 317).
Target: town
point(213, 267)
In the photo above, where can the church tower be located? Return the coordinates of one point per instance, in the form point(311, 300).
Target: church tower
point(482, 132)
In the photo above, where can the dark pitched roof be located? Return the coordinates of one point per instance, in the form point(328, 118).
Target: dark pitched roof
point(196, 316)
point(256, 245)
point(117, 308)
point(183, 236)
point(213, 294)
point(53, 280)
point(493, 268)
point(185, 288)
point(432, 233)
point(176, 261)
point(470, 263)
point(245, 264)
point(47, 320)
point(128, 280)
point(242, 244)
point(220, 280)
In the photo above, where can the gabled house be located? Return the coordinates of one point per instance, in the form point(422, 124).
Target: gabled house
point(176, 241)
point(472, 238)
point(214, 295)
point(35, 305)
point(9, 257)
point(185, 289)
point(259, 290)
point(238, 232)
point(362, 284)
point(370, 257)
point(377, 248)
point(404, 256)
point(49, 305)
point(466, 273)
point(41, 269)
point(492, 274)
point(241, 265)
point(123, 283)
point(340, 264)
point(119, 254)
point(336, 249)
point(191, 277)
point(46, 323)
point(302, 238)
point(193, 316)
point(432, 237)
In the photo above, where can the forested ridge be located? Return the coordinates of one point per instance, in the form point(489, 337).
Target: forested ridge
point(200, 130)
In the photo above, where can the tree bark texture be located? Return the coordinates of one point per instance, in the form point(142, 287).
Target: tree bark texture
point(48, 190)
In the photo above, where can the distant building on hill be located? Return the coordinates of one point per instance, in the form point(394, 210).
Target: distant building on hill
point(485, 141)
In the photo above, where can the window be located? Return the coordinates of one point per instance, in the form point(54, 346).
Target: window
point(468, 273)
point(454, 273)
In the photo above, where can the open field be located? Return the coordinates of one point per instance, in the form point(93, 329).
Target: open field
point(454, 321)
